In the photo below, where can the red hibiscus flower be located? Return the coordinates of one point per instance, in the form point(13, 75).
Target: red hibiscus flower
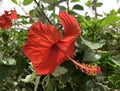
point(6, 19)
point(5, 22)
point(47, 48)
point(11, 14)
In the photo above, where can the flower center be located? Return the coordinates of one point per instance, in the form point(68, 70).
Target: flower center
point(54, 46)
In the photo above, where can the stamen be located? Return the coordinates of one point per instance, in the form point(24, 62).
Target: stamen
point(86, 68)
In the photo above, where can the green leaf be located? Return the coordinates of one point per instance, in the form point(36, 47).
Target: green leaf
point(92, 85)
point(106, 55)
point(5, 36)
point(93, 45)
point(83, 20)
point(51, 1)
point(111, 63)
point(116, 60)
point(21, 63)
point(24, 21)
point(75, 0)
point(27, 2)
point(51, 7)
point(5, 71)
point(39, 13)
point(115, 80)
point(89, 3)
point(90, 56)
point(29, 78)
point(78, 7)
point(83, 25)
point(59, 71)
point(49, 83)
point(70, 69)
point(110, 19)
point(62, 8)
point(31, 12)
point(76, 77)
point(99, 4)
point(15, 1)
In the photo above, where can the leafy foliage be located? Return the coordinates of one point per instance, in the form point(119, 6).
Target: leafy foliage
point(99, 45)
point(27, 2)
point(15, 1)
point(78, 7)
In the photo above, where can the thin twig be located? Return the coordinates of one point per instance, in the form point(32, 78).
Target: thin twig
point(43, 12)
point(36, 3)
point(94, 8)
point(55, 3)
point(36, 83)
point(67, 5)
point(20, 5)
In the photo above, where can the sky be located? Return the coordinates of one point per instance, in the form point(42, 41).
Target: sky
point(106, 7)
point(109, 5)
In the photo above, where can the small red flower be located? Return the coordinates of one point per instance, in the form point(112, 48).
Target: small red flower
point(6, 19)
point(5, 22)
point(11, 14)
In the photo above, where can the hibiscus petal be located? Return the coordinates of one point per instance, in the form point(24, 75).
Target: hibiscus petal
point(70, 24)
point(40, 47)
point(67, 48)
point(54, 59)
point(5, 22)
point(14, 14)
